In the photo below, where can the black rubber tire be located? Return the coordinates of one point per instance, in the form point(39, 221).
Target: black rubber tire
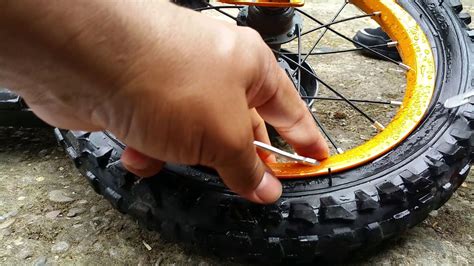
point(326, 218)
point(15, 113)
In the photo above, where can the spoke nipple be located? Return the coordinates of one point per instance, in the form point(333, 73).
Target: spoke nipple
point(378, 126)
point(377, 13)
point(406, 67)
point(339, 150)
point(392, 44)
point(396, 103)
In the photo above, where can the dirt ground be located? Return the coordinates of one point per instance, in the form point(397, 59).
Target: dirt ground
point(49, 214)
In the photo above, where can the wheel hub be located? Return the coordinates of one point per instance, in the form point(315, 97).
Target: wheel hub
point(276, 25)
point(309, 84)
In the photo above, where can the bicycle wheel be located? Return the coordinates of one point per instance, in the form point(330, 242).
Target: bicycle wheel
point(371, 190)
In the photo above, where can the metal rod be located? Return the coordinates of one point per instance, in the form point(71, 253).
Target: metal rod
point(299, 58)
point(397, 103)
point(339, 51)
point(400, 64)
point(325, 132)
point(333, 22)
point(296, 157)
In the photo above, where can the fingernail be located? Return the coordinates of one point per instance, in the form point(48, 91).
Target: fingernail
point(269, 189)
point(270, 159)
point(135, 160)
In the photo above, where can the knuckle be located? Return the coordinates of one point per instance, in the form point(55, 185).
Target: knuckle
point(297, 119)
point(258, 122)
point(251, 179)
point(243, 172)
point(234, 147)
point(230, 145)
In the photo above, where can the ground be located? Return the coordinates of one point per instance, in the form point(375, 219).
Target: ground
point(50, 215)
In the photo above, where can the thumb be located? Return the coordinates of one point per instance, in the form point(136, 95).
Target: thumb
point(248, 176)
point(139, 163)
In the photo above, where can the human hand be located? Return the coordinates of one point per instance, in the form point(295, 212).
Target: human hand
point(175, 86)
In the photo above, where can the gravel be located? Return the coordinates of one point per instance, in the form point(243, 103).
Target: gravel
point(60, 247)
point(75, 211)
point(40, 261)
point(59, 196)
point(52, 214)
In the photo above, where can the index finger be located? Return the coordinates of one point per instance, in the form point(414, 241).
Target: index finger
point(278, 102)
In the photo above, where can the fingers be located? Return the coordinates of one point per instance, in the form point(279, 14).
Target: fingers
point(247, 175)
point(244, 174)
point(140, 164)
point(279, 103)
point(261, 134)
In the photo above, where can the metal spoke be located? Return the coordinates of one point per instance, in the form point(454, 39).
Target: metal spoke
point(333, 20)
point(400, 64)
point(332, 23)
point(342, 51)
point(316, 120)
point(374, 122)
point(299, 58)
point(338, 22)
point(396, 103)
point(325, 132)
